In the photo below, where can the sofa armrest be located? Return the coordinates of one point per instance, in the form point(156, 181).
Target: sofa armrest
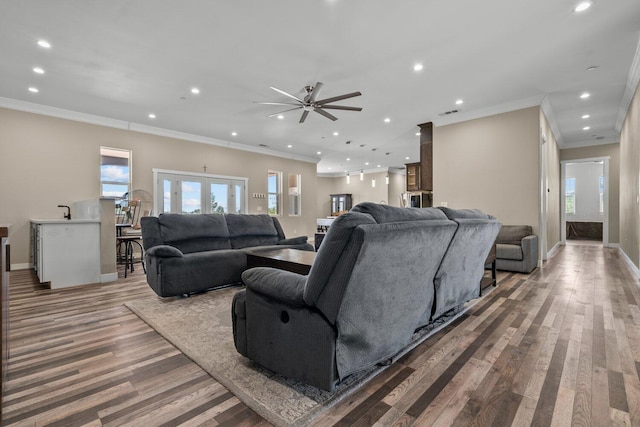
point(300, 240)
point(530, 252)
point(529, 243)
point(165, 251)
point(284, 286)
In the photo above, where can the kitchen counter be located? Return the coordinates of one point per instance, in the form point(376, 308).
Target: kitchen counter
point(64, 221)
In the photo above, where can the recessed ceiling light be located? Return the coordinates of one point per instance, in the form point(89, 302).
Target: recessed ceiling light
point(406, 158)
point(418, 134)
point(366, 163)
point(152, 116)
point(336, 134)
point(280, 116)
point(43, 43)
point(378, 166)
point(459, 102)
point(586, 128)
point(582, 6)
point(418, 67)
point(234, 133)
point(318, 153)
point(38, 70)
point(585, 95)
point(33, 90)
point(586, 116)
point(289, 146)
point(387, 120)
point(195, 90)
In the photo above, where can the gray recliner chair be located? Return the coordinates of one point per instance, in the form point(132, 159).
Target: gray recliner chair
point(516, 249)
point(370, 287)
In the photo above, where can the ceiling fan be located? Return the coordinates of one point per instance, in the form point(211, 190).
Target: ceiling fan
point(311, 103)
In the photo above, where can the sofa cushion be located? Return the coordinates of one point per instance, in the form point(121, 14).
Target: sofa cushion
point(195, 233)
point(384, 213)
point(513, 234)
point(464, 213)
point(506, 251)
point(251, 230)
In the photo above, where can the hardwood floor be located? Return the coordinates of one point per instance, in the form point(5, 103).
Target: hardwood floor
point(558, 347)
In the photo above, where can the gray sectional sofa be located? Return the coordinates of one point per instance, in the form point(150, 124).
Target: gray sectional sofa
point(186, 254)
point(380, 274)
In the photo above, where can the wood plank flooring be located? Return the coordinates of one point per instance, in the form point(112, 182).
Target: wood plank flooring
point(558, 347)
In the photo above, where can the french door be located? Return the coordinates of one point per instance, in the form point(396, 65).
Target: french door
point(180, 192)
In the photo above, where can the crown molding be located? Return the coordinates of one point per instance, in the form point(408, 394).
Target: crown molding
point(489, 111)
point(551, 119)
point(630, 89)
point(589, 143)
point(76, 116)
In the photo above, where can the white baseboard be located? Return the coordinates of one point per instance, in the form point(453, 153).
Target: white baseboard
point(612, 245)
point(108, 277)
point(23, 266)
point(553, 249)
point(630, 263)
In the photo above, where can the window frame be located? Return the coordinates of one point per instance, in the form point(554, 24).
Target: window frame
point(568, 194)
point(295, 194)
point(128, 184)
point(277, 194)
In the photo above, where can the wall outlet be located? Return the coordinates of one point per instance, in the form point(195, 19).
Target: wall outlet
point(443, 204)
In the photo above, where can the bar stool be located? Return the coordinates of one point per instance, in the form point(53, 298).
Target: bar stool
point(127, 243)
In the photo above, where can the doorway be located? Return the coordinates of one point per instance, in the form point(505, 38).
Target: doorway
point(585, 201)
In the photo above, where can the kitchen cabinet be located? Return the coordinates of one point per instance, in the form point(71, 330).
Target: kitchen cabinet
point(66, 253)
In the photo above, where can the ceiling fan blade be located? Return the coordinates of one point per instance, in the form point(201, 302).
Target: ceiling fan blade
point(342, 107)
point(275, 103)
point(303, 117)
point(290, 109)
point(315, 92)
point(324, 113)
point(338, 98)
point(287, 94)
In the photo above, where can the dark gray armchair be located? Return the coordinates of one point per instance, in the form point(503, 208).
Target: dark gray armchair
point(370, 287)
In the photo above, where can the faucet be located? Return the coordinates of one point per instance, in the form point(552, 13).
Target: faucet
point(68, 214)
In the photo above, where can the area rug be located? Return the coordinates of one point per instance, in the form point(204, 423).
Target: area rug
point(200, 327)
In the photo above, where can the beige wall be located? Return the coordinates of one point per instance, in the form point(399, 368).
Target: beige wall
point(629, 190)
point(47, 161)
point(361, 191)
point(613, 152)
point(491, 164)
point(551, 186)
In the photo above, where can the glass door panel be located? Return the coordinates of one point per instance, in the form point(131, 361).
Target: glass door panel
point(219, 197)
point(167, 195)
point(191, 197)
point(238, 197)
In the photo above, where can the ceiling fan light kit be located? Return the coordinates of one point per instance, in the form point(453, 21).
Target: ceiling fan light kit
point(311, 103)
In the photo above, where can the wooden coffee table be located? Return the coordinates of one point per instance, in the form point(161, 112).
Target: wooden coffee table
point(293, 260)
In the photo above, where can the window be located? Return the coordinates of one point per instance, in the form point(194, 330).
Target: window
point(294, 194)
point(570, 196)
point(274, 190)
point(602, 194)
point(188, 193)
point(115, 172)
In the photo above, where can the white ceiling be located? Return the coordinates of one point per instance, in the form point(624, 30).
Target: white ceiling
point(125, 59)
